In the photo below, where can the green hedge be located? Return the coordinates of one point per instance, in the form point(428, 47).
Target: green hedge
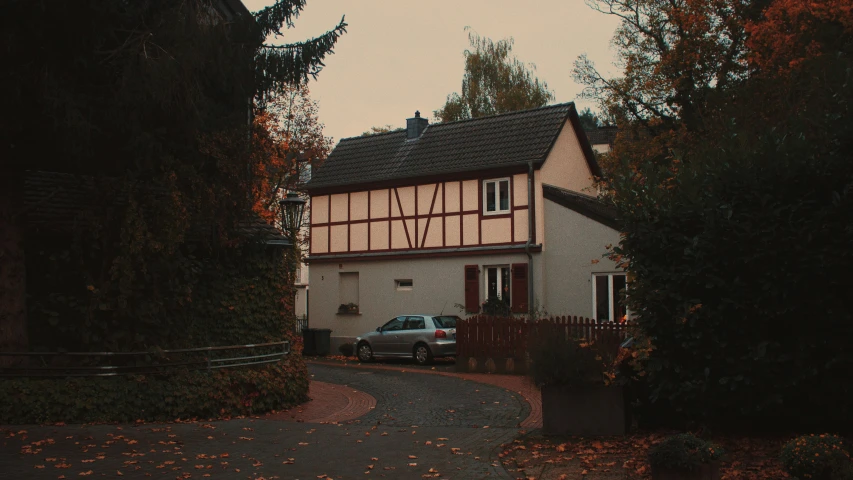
point(185, 395)
point(153, 298)
point(740, 266)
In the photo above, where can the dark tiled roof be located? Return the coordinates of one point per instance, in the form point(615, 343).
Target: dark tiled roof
point(586, 205)
point(56, 202)
point(499, 141)
point(602, 136)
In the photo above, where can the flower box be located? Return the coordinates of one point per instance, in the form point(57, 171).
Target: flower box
point(348, 308)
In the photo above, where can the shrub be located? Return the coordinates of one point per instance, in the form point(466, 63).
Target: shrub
point(742, 331)
point(497, 307)
point(684, 451)
point(817, 457)
point(184, 395)
point(560, 360)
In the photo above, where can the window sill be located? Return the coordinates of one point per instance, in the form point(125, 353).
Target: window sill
point(348, 313)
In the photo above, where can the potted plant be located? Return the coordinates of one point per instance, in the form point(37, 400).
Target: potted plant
point(496, 307)
point(817, 457)
point(685, 457)
point(578, 397)
point(348, 308)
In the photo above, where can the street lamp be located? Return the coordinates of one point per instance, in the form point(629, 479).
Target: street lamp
point(292, 207)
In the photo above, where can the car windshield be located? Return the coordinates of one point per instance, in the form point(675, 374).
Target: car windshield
point(446, 321)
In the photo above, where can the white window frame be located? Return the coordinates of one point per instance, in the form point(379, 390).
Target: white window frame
point(500, 281)
point(398, 284)
point(497, 182)
point(610, 298)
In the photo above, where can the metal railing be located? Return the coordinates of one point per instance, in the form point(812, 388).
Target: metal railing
point(158, 362)
point(301, 324)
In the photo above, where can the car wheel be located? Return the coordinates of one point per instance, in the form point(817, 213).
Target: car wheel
point(422, 354)
point(365, 353)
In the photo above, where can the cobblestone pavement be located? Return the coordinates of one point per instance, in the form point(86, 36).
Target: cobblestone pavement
point(422, 426)
point(519, 384)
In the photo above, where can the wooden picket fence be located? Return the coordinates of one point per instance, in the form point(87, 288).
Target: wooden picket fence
point(501, 337)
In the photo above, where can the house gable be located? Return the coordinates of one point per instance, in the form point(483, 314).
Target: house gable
point(567, 165)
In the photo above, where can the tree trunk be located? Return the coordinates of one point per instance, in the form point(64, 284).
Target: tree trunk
point(13, 285)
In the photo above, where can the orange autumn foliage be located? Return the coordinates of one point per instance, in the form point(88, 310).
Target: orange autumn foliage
point(287, 140)
point(792, 31)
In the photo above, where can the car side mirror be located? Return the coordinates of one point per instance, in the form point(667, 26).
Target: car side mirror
point(379, 329)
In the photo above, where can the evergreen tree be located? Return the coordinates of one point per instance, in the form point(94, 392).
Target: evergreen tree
point(145, 95)
point(589, 120)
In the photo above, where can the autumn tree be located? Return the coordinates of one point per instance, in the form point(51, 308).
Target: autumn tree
point(494, 82)
point(674, 56)
point(140, 94)
point(734, 187)
point(288, 142)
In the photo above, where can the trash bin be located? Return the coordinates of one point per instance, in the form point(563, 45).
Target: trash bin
point(309, 343)
point(322, 341)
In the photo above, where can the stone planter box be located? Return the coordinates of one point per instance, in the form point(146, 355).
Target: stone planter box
point(587, 411)
point(708, 471)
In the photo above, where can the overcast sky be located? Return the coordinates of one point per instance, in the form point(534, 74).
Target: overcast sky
point(401, 56)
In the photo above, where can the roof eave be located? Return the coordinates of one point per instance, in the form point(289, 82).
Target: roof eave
point(465, 174)
point(560, 197)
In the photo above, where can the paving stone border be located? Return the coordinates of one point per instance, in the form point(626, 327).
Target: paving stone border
point(330, 403)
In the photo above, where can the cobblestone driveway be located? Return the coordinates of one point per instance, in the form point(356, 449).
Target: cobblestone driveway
point(450, 426)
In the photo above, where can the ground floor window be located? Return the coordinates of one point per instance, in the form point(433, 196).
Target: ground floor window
point(498, 282)
point(348, 292)
point(607, 304)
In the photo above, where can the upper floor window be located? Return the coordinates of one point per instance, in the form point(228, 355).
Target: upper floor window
point(496, 196)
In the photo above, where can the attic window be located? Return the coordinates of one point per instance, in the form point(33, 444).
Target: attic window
point(496, 196)
point(404, 285)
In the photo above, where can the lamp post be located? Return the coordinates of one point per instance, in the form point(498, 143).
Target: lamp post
point(292, 207)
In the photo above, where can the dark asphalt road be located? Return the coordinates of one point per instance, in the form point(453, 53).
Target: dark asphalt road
point(451, 426)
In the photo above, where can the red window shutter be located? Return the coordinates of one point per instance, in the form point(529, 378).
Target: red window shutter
point(519, 288)
point(472, 289)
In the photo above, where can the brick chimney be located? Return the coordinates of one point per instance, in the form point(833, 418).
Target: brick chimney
point(415, 126)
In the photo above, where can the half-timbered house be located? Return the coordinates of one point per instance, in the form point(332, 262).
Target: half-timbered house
point(440, 218)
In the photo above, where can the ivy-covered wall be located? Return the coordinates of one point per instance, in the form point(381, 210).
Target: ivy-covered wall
point(186, 297)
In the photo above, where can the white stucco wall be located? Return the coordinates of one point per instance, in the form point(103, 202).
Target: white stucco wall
point(439, 284)
point(562, 278)
point(574, 243)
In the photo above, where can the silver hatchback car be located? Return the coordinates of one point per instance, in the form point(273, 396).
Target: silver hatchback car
point(422, 337)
